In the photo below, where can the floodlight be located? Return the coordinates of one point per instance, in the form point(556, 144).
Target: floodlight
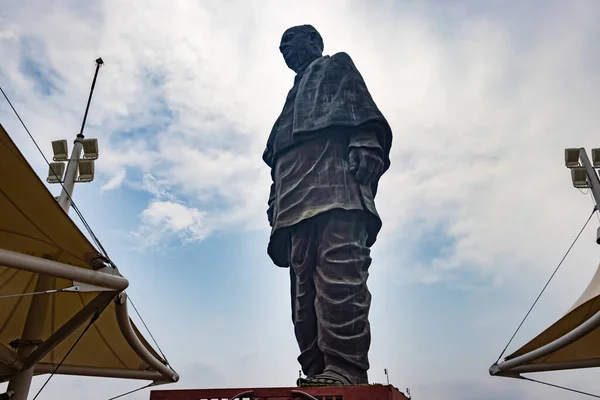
point(596, 157)
point(90, 148)
point(572, 158)
point(580, 178)
point(86, 170)
point(60, 148)
point(55, 172)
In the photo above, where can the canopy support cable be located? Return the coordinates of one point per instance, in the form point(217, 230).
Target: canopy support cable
point(8, 296)
point(594, 203)
point(148, 329)
point(547, 283)
point(132, 391)
point(561, 387)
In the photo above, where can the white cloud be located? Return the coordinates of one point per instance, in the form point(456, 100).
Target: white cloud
point(116, 181)
point(155, 187)
point(163, 221)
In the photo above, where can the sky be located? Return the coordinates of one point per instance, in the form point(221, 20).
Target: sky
point(477, 207)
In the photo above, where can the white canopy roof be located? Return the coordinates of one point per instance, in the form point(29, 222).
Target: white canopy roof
point(572, 342)
point(37, 238)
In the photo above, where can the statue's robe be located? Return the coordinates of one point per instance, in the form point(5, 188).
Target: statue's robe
point(323, 221)
point(329, 103)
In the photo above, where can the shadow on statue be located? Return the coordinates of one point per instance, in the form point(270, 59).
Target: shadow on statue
point(327, 151)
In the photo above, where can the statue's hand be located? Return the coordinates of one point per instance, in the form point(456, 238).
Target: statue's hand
point(366, 164)
point(270, 215)
point(271, 202)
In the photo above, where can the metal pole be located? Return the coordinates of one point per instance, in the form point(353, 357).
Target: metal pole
point(70, 175)
point(73, 164)
point(20, 382)
point(592, 175)
point(99, 62)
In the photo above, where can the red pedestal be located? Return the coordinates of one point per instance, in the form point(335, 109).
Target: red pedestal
point(375, 392)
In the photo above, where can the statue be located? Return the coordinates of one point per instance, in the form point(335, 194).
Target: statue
point(327, 151)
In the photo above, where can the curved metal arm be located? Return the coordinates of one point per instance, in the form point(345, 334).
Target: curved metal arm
point(298, 392)
point(242, 394)
point(39, 265)
point(577, 333)
point(10, 358)
point(136, 344)
point(301, 393)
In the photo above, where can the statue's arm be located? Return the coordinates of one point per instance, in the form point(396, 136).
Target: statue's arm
point(366, 138)
point(365, 154)
point(370, 135)
point(369, 144)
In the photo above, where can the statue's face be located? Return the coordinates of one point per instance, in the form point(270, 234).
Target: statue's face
point(298, 44)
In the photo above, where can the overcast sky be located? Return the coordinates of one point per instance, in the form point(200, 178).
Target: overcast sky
point(478, 208)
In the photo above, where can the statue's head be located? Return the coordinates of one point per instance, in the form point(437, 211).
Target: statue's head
point(300, 45)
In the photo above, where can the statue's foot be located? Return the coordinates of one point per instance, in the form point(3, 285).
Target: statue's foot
point(327, 378)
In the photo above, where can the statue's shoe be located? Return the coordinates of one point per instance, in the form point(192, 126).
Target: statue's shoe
point(327, 378)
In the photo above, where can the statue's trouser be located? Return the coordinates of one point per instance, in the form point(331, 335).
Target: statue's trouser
point(329, 263)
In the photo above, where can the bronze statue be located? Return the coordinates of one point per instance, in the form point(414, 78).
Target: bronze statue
point(327, 151)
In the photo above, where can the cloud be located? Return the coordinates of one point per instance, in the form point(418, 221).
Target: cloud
point(116, 181)
point(155, 187)
point(45, 80)
point(167, 219)
point(164, 221)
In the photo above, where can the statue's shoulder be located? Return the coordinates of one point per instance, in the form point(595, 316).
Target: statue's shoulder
point(341, 56)
point(343, 59)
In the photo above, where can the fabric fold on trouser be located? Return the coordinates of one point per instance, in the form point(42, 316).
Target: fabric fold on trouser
point(329, 262)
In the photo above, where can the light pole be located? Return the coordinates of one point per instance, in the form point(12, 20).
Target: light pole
point(77, 169)
point(583, 173)
point(85, 166)
point(20, 382)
